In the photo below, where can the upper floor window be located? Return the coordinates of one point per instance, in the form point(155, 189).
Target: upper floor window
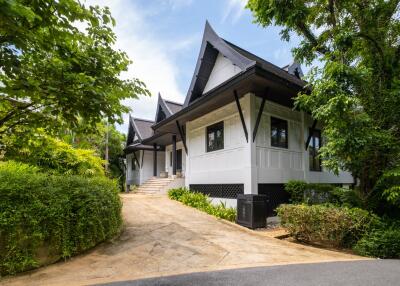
point(279, 133)
point(313, 149)
point(215, 137)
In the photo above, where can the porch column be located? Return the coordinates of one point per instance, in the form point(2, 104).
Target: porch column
point(155, 160)
point(174, 155)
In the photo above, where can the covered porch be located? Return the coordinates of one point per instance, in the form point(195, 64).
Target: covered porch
point(174, 150)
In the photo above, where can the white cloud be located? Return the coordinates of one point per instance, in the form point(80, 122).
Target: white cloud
point(234, 10)
point(152, 62)
point(177, 4)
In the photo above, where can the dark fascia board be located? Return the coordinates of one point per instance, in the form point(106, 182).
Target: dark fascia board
point(132, 128)
point(161, 104)
point(136, 147)
point(161, 137)
point(210, 37)
point(136, 129)
point(207, 96)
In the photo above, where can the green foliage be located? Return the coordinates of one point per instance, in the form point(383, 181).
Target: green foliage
point(176, 194)
point(45, 217)
point(312, 193)
point(326, 224)
point(390, 184)
point(356, 93)
point(53, 72)
point(382, 243)
point(55, 156)
point(82, 138)
point(296, 189)
point(203, 203)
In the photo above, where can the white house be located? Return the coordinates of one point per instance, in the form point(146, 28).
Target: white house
point(237, 131)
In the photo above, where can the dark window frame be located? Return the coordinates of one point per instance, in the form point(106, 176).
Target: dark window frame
point(281, 125)
point(219, 144)
point(315, 162)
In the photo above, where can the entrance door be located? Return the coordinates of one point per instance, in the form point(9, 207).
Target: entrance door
point(179, 160)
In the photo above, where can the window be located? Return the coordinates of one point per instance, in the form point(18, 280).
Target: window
point(313, 149)
point(279, 133)
point(215, 137)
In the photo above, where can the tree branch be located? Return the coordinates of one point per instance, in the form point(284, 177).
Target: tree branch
point(331, 7)
point(311, 38)
point(374, 42)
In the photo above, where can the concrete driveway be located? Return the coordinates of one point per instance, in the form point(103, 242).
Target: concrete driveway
point(163, 237)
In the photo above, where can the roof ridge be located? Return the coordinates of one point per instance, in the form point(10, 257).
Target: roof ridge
point(230, 43)
point(173, 102)
point(142, 119)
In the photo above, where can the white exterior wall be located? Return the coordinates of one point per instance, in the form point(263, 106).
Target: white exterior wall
point(279, 165)
point(222, 71)
point(231, 165)
point(140, 176)
point(249, 163)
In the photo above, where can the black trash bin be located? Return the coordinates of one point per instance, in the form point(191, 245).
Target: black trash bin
point(251, 211)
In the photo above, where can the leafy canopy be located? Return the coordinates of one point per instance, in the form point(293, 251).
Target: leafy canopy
point(54, 155)
point(58, 64)
point(356, 92)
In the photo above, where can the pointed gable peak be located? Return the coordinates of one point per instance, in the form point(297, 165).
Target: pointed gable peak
point(295, 69)
point(132, 131)
point(211, 46)
point(162, 109)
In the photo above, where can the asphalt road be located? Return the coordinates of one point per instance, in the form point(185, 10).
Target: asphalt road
point(357, 273)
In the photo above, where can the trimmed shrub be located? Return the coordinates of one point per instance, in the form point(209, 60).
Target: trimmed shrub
point(203, 203)
point(45, 217)
point(327, 224)
point(382, 243)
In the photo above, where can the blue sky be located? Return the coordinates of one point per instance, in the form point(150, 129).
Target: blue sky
point(163, 38)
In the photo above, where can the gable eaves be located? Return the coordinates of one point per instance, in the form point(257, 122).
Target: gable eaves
point(210, 42)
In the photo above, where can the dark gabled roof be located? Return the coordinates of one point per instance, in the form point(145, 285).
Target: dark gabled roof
point(144, 127)
point(256, 75)
point(166, 108)
point(140, 128)
point(211, 45)
point(174, 107)
point(286, 72)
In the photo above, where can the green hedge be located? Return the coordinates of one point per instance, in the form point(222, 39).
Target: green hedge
point(203, 203)
point(327, 224)
point(382, 242)
point(45, 217)
point(313, 193)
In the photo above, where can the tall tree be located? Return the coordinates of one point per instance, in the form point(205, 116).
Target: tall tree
point(356, 94)
point(58, 64)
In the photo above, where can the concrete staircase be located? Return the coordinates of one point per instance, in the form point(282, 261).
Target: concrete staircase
point(154, 185)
